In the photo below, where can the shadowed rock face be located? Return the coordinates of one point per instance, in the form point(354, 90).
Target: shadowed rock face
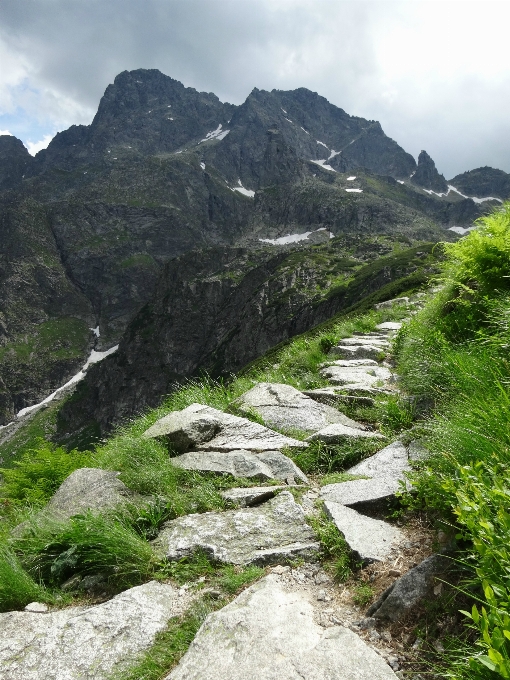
point(427, 176)
point(14, 161)
point(483, 182)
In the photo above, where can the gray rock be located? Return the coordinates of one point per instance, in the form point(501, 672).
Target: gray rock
point(372, 540)
point(351, 363)
point(407, 591)
point(37, 607)
point(267, 534)
point(389, 303)
point(262, 466)
point(368, 376)
point(357, 351)
point(217, 431)
point(357, 340)
point(88, 489)
point(285, 407)
point(335, 434)
point(389, 326)
point(392, 461)
point(84, 643)
point(269, 634)
point(251, 495)
point(333, 396)
point(361, 491)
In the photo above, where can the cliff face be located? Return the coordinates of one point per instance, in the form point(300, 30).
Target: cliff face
point(219, 309)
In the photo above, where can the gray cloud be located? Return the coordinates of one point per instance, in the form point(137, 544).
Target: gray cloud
point(390, 61)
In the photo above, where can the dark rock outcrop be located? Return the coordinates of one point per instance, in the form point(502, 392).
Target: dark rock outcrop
point(14, 161)
point(483, 182)
point(427, 176)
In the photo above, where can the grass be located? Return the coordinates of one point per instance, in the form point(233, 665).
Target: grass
point(335, 552)
point(17, 588)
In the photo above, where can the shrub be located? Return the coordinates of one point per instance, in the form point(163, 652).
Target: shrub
point(39, 473)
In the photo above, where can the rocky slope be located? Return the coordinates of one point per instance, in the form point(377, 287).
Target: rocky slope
point(219, 309)
point(163, 170)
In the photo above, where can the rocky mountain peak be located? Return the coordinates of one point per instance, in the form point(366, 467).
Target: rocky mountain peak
point(14, 159)
point(427, 176)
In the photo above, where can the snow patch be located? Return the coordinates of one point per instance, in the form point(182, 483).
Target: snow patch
point(95, 331)
point(202, 165)
point(322, 144)
point(473, 198)
point(355, 191)
point(242, 190)
point(94, 358)
point(412, 174)
point(461, 230)
point(293, 238)
point(219, 133)
point(333, 154)
point(349, 179)
point(169, 118)
point(289, 120)
point(400, 181)
point(324, 165)
point(305, 130)
point(283, 110)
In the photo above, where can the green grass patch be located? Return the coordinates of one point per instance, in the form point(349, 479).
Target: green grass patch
point(335, 552)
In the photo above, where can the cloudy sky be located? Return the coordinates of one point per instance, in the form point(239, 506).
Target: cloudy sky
point(436, 74)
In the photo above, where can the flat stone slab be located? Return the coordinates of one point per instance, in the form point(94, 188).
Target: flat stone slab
point(407, 591)
point(84, 643)
point(267, 534)
point(372, 540)
point(358, 340)
point(392, 461)
point(389, 326)
point(368, 376)
point(331, 395)
point(251, 495)
point(208, 429)
point(269, 634)
point(359, 351)
point(351, 363)
point(335, 434)
point(262, 466)
point(284, 407)
point(361, 491)
point(389, 303)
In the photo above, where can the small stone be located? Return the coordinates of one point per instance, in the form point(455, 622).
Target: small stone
point(438, 589)
point(438, 646)
point(321, 595)
point(367, 623)
point(386, 636)
point(322, 578)
point(374, 635)
point(394, 572)
point(37, 607)
point(417, 644)
point(281, 569)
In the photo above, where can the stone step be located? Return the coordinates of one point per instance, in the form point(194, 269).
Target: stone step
point(357, 352)
point(204, 428)
point(88, 641)
point(361, 492)
point(392, 461)
point(336, 434)
point(284, 407)
point(389, 326)
point(364, 375)
point(247, 496)
point(261, 466)
point(271, 533)
point(371, 540)
point(268, 633)
point(357, 340)
point(332, 396)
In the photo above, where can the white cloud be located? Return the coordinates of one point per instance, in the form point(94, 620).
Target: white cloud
point(5, 132)
point(35, 147)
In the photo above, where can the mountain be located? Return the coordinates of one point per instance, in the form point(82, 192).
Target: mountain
point(483, 182)
point(88, 226)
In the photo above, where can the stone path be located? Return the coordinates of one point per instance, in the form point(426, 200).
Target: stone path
point(292, 624)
